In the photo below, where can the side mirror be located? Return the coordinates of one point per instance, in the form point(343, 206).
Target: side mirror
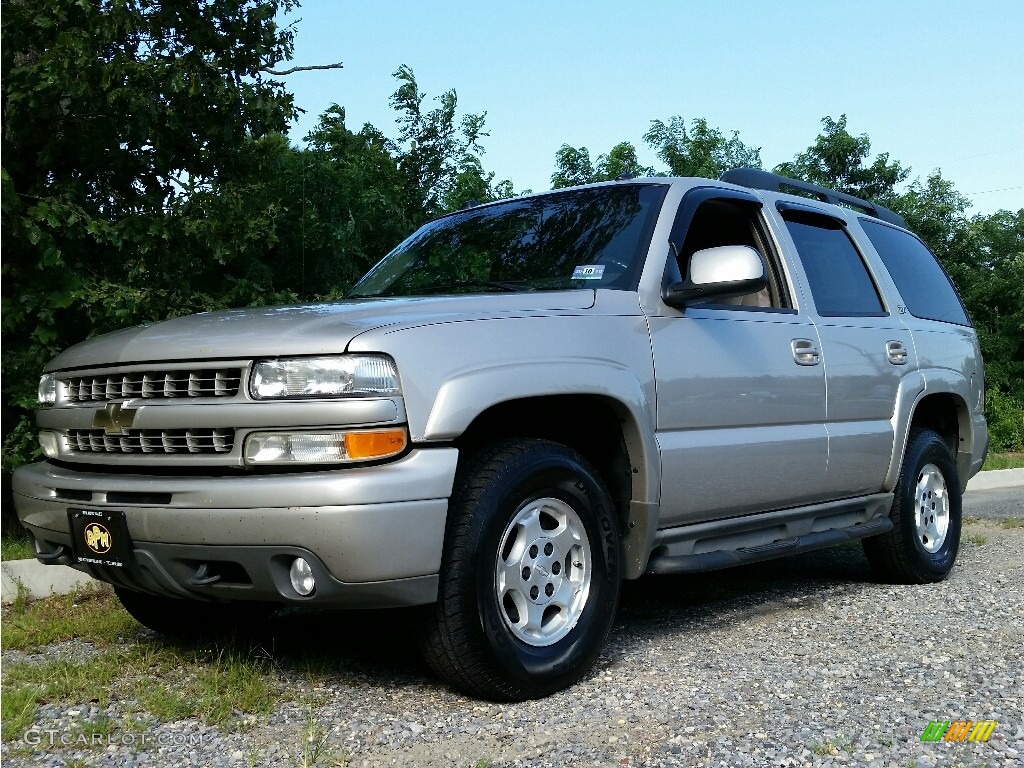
point(719, 273)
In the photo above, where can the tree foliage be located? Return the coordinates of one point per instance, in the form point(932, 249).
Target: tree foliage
point(116, 115)
point(699, 150)
point(838, 159)
point(573, 165)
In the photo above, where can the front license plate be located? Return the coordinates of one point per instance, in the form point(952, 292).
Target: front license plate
point(100, 537)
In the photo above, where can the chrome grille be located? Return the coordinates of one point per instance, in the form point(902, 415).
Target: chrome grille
point(203, 382)
point(205, 440)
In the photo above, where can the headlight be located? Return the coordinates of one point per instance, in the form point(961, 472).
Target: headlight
point(47, 389)
point(325, 377)
point(323, 447)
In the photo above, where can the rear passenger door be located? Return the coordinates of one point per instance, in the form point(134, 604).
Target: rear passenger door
point(865, 348)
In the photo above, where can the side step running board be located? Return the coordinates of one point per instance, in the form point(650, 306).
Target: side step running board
point(727, 558)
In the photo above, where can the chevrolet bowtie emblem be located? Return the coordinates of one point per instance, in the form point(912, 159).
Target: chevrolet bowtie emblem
point(114, 419)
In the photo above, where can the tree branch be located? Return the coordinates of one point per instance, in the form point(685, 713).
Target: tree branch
point(281, 72)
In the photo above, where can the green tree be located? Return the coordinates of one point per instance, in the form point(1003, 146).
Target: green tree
point(573, 165)
point(114, 113)
point(621, 160)
point(994, 293)
point(938, 214)
point(839, 160)
point(438, 154)
point(701, 150)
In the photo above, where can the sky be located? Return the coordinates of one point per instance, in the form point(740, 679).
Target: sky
point(935, 84)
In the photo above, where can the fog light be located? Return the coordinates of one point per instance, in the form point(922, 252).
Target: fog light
point(302, 577)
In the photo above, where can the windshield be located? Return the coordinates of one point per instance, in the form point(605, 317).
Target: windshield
point(585, 238)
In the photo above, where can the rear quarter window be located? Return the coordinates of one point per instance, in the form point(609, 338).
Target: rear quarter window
point(921, 281)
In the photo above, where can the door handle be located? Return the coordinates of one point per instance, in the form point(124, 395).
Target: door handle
point(896, 352)
point(805, 352)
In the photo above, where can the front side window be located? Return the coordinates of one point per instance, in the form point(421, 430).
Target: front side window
point(586, 238)
point(922, 283)
point(839, 281)
point(726, 221)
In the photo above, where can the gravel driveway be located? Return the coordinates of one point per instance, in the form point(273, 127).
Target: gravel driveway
point(801, 661)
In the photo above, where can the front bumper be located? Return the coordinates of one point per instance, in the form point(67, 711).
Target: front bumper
point(373, 535)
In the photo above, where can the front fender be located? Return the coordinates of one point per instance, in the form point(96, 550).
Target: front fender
point(465, 396)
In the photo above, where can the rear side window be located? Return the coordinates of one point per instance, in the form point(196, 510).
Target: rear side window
point(839, 281)
point(922, 283)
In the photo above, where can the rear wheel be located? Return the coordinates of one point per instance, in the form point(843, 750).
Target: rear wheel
point(530, 575)
point(192, 618)
point(926, 516)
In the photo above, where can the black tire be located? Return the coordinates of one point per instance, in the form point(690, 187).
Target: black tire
point(470, 639)
point(912, 553)
point(193, 618)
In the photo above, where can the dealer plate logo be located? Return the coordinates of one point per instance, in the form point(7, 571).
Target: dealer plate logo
point(98, 538)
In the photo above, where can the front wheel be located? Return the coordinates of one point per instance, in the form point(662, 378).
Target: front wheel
point(530, 575)
point(926, 515)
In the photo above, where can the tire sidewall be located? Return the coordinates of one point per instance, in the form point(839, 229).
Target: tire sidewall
point(549, 470)
point(928, 448)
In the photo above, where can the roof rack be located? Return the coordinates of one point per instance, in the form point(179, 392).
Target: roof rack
point(772, 182)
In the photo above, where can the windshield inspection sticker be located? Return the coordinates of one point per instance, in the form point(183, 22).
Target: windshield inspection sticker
point(588, 272)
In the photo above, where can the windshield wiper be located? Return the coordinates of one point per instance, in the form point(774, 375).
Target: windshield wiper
point(501, 285)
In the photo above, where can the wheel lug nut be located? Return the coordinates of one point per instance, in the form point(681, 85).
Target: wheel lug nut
point(556, 568)
point(548, 549)
point(549, 590)
point(534, 592)
point(526, 574)
point(533, 551)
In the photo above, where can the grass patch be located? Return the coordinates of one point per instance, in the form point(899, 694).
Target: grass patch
point(19, 709)
point(316, 748)
point(227, 683)
point(1003, 461)
point(92, 615)
point(833, 746)
point(1012, 522)
point(976, 539)
point(213, 686)
point(159, 679)
point(16, 548)
point(65, 679)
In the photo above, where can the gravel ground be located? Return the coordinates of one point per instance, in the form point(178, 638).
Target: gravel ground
point(799, 662)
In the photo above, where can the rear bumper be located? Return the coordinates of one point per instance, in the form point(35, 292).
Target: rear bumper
point(373, 535)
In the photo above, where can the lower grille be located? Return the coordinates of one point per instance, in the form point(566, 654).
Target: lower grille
point(152, 441)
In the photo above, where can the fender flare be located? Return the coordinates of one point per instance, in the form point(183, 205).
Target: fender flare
point(465, 396)
point(912, 390)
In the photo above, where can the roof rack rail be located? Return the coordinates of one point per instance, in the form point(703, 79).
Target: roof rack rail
point(772, 182)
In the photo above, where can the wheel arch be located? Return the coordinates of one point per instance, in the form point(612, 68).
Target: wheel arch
point(941, 406)
point(607, 432)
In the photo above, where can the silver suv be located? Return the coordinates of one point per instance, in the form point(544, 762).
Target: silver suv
point(521, 405)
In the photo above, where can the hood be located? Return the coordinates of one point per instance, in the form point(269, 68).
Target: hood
point(306, 329)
